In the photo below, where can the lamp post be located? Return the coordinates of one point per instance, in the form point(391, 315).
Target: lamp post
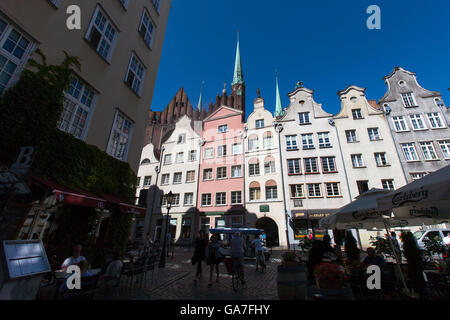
point(162, 260)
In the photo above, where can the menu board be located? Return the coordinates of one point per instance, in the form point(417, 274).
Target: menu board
point(25, 258)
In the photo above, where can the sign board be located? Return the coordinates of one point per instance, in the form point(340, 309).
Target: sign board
point(264, 208)
point(24, 160)
point(311, 215)
point(25, 258)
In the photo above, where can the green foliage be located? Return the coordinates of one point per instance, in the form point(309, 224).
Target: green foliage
point(289, 256)
point(306, 244)
point(351, 249)
point(434, 246)
point(381, 246)
point(119, 229)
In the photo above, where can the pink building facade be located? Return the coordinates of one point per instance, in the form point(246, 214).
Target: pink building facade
point(221, 175)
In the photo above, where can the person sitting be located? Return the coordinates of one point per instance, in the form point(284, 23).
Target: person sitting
point(113, 272)
point(75, 259)
point(373, 259)
point(314, 258)
point(328, 252)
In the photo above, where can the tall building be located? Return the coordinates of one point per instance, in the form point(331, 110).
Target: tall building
point(368, 149)
point(418, 120)
point(119, 48)
point(315, 177)
point(263, 181)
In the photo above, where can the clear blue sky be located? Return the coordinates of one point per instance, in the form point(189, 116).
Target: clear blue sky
point(324, 43)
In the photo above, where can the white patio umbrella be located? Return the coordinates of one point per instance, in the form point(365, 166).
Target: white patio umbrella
point(426, 199)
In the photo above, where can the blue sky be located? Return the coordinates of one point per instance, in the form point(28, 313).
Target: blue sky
point(323, 43)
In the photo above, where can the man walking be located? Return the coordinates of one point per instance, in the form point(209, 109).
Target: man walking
point(237, 253)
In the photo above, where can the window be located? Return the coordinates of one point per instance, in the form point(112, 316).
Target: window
point(220, 222)
point(357, 114)
point(435, 120)
point(380, 159)
point(351, 135)
point(101, 35)
point(373, 134)
point(147, 180)
point(333, 189)
point(291, 143)
point(177, 177)
point(146, 28)
point(208, 153)
point(145, 161)
point(271, 193)
point(388, 184)
point(221, 198)
point(222, 173)
point(192, 155)
point(236, 197)
point(181, 138)
point(176, 200)
point(205, 225)
point(408, 99)
point(418, 175)
point(120, 137)
point(186, 228)
point(168, 159)
point(236, 221)
point(207, 174)
point(236, 171)
point(223, 128)
point(252, 144)
point(188, 199)
point(206, 199)
point(269, 167)
point(138, 182)
point(77, 103)
point(255, 193)
point(417, 122)
point(311, 165)
point(135, 74)
point(357, 161)
point(409, 151)
point(294, 166)
point(297, 191)
point(259, 123)
point(324, 140)
point(123, 2)
point(428, 150)
point(314, 190)
point(363, 186)
point(156, 4)
point(163, 201)
point(180, 157)
point(303, 118)
point(190, 176)
point(56, 3)
point(445, 148)
point(236, 148)
point(307, 141)
point(328, 164)
point(15, 50)
point(267, 142)
point(400, 124)
point(253, 169)
point(222, 151)
point(165, 179)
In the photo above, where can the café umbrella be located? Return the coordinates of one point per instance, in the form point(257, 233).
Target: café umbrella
point(426, 200)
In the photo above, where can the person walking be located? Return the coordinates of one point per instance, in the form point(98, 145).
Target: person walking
point(396, 244)
point(237, 253)
point(257, 246)
point(200, 244)
point(214, 257)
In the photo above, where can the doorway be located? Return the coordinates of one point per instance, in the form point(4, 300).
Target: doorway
point(270, 228)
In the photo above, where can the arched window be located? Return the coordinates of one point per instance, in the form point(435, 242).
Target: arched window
point(253, 167)
point(255, 191)
point(253, 142)
point(145, 161)
point(267, 140)
point(269, 165)
point(271, 190)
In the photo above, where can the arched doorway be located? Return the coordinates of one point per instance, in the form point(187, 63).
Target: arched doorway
point(270, 228)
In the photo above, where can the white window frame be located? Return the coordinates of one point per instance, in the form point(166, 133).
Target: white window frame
point(335, 189)
point(399, 123)
point(147, 34)
point(188, 196)
point(207, 154)
point(388, 184)
point(253, 169)
point(253, 144)
point(294, 162)
point(417, 175)
point(307, 141)
point(204, 196)
point(374, 134)
point(309, 162)
point(181, 138)
point(426, 145)
point(179, 157)
point(233, 171)
point(110, 42)
point(269, 167)
point(408, 99)
point(221, 173)
point(222, 128)
point(432, 117)
point(236, 148)
point(326, 167)
point(380, 159)
point(407, 148)
point(445, 148)
point(351, 134)
point(222, 151)
point(417, 121)
point(137, 82)
point(319, 195)
point(167, 159)
point(268, 142)
point(165, 179)
point(271, 192)
point(222, 196)
point(188, 174)
point(208, 170)
point(192, 155)
point(157, 4)
point(57, 3)
point(234, 196)
point(357, 114)
point(111, 149)
point(259, 123)
point(295, 193)
point(359, 160)
point(324, 139)
point(147, 181)
point(177, 178)
point(291, 142)
point(303, 118)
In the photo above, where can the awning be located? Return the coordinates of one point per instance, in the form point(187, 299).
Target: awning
point(68, 196)
point(124, 207)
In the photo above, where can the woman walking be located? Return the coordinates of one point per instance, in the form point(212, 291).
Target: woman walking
point(201, 242)
point(214, 257)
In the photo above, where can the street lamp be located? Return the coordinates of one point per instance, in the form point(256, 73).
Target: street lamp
point(162, 260)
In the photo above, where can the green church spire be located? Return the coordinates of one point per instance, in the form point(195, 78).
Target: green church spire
point(238, 77)
point(278, 108)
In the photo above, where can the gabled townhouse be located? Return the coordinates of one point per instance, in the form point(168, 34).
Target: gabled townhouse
point(418, 120)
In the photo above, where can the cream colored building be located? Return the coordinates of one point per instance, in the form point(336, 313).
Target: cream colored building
point(119, 47)
point(263, 182)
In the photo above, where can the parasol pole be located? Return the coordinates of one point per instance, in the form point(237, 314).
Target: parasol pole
point(396, 257)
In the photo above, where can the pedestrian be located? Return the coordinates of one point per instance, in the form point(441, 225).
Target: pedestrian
point(397, 250)
point(237, 253)
point(373, 259)
point(214, 257)
point(200, 244)
point(75, 259)
point(314, 258)
point(328, 252)
point(257, 246)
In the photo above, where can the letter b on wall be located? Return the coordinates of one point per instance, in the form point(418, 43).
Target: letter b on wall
point(374, 21)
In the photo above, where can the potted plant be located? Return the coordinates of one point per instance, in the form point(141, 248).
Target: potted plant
point(291, 277)
point(329, 275)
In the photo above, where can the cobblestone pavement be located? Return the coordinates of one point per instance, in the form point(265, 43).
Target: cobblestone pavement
point(176, 282)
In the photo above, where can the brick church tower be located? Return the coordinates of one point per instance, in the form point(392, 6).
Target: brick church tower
point(161, 122)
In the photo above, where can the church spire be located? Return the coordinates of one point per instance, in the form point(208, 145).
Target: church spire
point(238, 77)
point(278, 108)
